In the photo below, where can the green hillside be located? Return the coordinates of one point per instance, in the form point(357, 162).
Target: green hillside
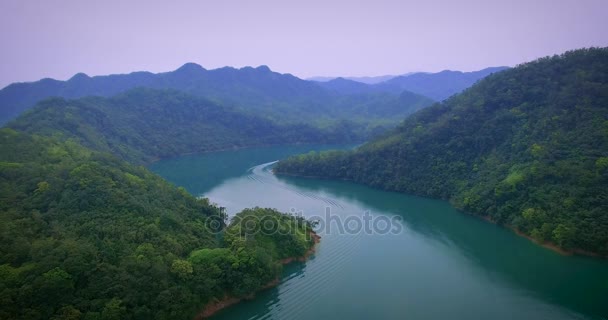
point(526, 147)
point(87, 236)
point(142, 125)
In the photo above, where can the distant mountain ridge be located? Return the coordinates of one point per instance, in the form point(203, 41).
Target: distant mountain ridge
point(227, 84)
point(276, 96)
point(366, 80)
point(437, 86)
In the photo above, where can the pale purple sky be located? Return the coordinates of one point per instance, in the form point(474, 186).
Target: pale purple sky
point(305, 37)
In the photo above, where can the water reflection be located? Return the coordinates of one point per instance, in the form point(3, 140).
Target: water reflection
point(271, 297)
point(444, 265)
point(580, 283)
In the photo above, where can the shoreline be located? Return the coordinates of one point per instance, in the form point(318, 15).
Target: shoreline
point(214, 307)
point(545, 244)
point(316, 177)
point(233, 148)
point(236, 148)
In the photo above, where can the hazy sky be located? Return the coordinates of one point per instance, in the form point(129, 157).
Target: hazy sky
point(306, 37)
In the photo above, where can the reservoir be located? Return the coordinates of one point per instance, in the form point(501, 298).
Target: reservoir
point(417, 258)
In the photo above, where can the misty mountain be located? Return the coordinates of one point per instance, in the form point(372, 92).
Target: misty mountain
point(254, 88)
point(438, 86)
point(347, 86)
point(260, 91)
point(366, 80)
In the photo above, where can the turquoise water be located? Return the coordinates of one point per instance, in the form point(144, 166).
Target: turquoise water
point(435, 263)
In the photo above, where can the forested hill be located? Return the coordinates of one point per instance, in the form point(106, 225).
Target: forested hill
point(526, 147)
point(281, 97)
point(87, 236)
point(145, 124)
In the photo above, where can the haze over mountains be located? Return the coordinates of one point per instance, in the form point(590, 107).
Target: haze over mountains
point(437, 86)
point(250, 89)
point(366, 80)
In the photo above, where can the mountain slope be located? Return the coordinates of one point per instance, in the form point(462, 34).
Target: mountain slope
point(437, 86)
point(280, 97)
point(526, 147)
point(145, 124)
point(346, 86)
point(87, 236)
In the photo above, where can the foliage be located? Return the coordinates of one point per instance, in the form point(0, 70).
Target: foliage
point(525, 147)
point(87, 236)
point(252, 254)
point(145, 124)
point(266, 228)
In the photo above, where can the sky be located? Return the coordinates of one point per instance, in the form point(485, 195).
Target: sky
point(59, 38)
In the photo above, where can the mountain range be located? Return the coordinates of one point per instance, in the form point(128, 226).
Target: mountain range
point(258, 90)
point(437, 86)
point(142, 125)
point(366, 80)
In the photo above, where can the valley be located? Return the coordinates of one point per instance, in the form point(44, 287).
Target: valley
point(173, 195)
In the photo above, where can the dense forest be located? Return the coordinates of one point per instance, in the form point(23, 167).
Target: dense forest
point(283, 98)
point(87, 236)
point(145, 124)
point(526, 147)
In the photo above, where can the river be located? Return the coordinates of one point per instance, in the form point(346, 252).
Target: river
point(387, 255)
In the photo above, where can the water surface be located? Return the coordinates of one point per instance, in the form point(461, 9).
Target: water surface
point(442, 264)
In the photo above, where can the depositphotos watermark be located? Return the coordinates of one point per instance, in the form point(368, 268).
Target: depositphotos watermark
point(327, 223)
